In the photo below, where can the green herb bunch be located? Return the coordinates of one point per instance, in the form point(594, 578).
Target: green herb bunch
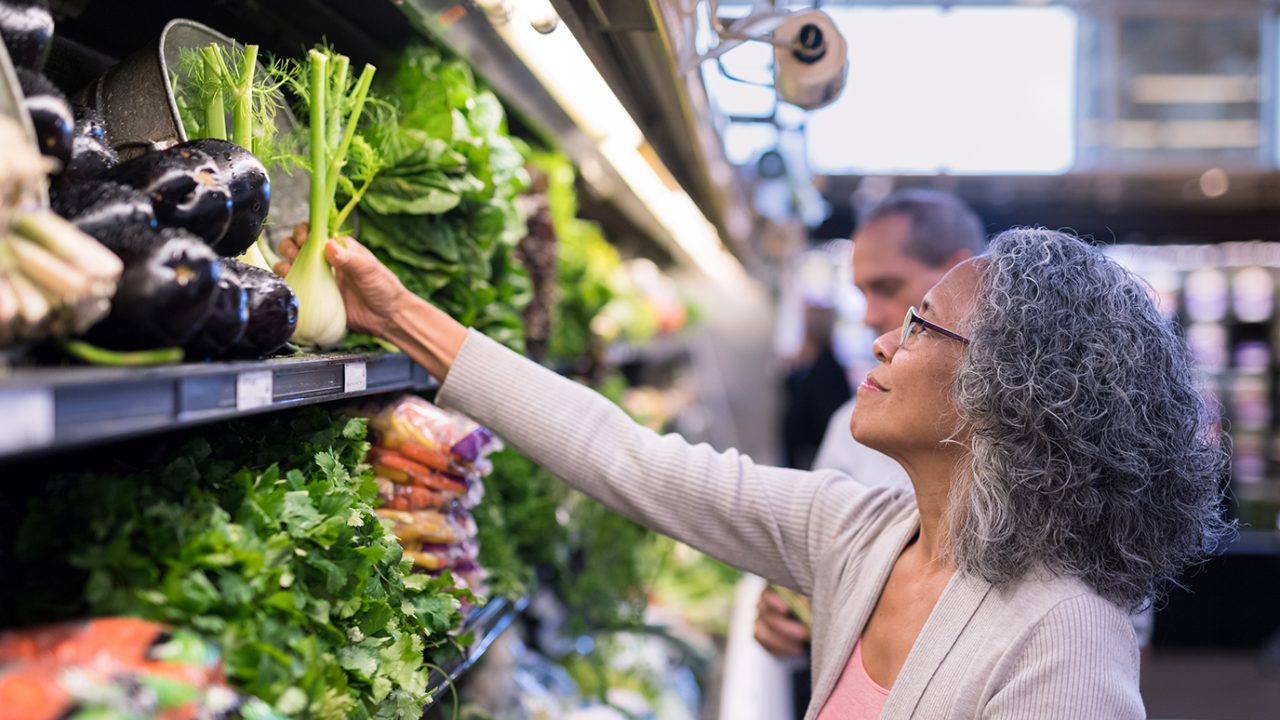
point(592, 557)
point(264, 541)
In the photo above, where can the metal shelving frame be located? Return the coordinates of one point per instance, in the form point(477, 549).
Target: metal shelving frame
point(487, 623)
point(50, 409)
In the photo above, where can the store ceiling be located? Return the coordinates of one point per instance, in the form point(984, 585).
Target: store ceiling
point(1167, 208)
point(630, 50)
point(1172, 134)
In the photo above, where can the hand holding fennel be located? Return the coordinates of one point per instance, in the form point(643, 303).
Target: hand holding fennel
point(376, 302)
point(334, 104)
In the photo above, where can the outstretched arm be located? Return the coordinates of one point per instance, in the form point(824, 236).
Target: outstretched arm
point(762, 519)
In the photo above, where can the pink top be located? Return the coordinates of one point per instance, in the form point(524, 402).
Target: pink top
point(856, 696)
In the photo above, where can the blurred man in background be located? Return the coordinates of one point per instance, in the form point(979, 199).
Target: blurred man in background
point(901, 249)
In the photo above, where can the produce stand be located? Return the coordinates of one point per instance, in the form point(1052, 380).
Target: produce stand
point(108, 430)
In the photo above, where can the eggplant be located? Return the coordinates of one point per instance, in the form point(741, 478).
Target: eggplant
point(185, 188)
point(50, 113)
point(105, 210)
point(250, 188)
point(27, 31)
point(273, 310)
point(227, 322)
point(91, 153)
point(166, 292)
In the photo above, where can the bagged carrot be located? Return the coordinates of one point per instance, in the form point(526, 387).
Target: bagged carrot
point(429, 526)
point(431, 436)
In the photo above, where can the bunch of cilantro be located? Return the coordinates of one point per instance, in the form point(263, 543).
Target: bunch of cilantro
point(263, 539)
point(591, 557)
point(441, 211)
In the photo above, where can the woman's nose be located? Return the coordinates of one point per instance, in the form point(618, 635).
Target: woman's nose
point(885, 346)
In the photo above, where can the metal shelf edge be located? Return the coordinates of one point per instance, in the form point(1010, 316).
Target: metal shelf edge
point(489, 622)
point(49, 409)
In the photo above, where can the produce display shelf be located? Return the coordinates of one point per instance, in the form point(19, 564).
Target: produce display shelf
point(487, 624)
point(48, 409)
point(661, 350)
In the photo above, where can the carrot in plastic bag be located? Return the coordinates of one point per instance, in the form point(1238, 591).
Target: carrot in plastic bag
point(433, 459)
point(391, 474)
point(428, 526)
point(427, 560)
point(432, 436)
point(391, 460)
point(411, 497)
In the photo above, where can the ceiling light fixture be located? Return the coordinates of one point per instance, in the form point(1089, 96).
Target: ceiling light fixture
point(563, 68)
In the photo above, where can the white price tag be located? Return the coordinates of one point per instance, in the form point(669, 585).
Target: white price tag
point(26, 418)
point(253, 389)
point(355, 377)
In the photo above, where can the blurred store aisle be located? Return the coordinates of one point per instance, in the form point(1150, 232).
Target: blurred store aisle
point(735, 370)
point(1210, 686)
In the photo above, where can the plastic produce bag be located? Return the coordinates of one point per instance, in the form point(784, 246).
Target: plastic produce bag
point(429, 526)
point(433, 437)
point(429, 463)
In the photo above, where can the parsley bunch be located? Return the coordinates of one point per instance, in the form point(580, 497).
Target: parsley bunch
point(263, 540)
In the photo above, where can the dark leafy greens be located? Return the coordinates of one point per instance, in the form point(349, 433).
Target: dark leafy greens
point(586, 263)
point(441, 211)
point(592, 557)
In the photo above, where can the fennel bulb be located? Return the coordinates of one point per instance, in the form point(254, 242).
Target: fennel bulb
point(253, 256)
point(322, 316)
point(330, 96)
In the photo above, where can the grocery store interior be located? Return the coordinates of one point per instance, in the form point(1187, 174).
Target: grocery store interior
point(217, 499)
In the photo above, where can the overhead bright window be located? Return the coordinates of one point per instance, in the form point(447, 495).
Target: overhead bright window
point(964, 91)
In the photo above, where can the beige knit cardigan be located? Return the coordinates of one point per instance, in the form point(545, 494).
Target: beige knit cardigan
point(1038, 648)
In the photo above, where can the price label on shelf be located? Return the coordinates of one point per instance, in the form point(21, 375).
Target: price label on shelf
point(355, 377)
point(253, 389)
point(26, 418)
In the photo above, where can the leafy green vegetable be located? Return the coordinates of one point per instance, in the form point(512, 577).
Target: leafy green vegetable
point(441, 212)
point(586, 263)
point(591, 556)
point(263, 540)
point(518, 529)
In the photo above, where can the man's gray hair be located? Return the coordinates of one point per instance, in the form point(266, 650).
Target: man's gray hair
point(1094, 452)
point(941, 224)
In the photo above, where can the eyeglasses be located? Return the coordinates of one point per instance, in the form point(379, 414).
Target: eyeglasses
point(913, 320)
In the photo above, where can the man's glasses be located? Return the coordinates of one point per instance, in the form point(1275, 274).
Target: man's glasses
point(913, 321)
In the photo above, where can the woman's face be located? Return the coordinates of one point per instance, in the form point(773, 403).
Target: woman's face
point(904, 406)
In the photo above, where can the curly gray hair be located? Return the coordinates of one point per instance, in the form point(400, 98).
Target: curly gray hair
point(1094, 453)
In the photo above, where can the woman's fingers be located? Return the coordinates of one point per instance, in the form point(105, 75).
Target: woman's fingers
point(300, 233)
point(779, 632)
point(776, 642)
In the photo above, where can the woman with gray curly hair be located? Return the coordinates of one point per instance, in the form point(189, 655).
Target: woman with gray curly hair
point(1064, 463)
